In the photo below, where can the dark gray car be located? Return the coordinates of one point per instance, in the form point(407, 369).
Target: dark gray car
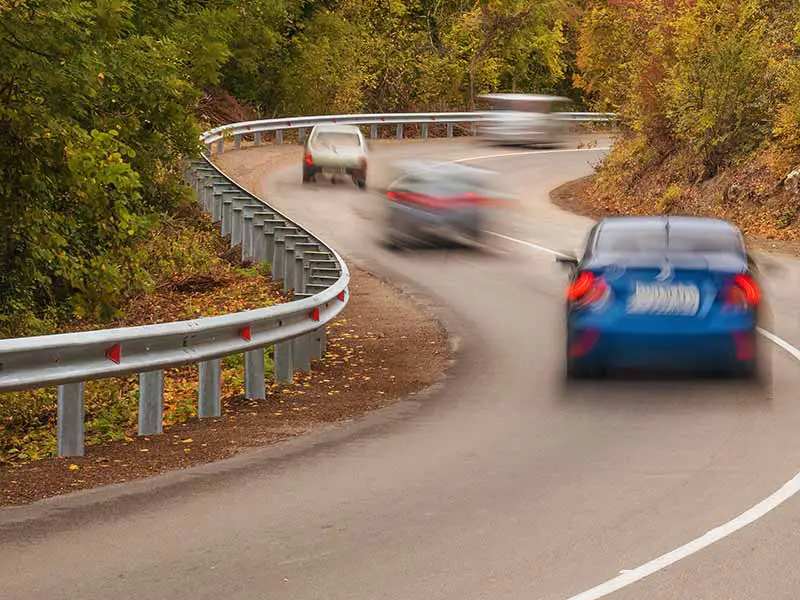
point(434, 202)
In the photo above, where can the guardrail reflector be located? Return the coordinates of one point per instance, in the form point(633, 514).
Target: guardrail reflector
point(315, 314)
point(245, 333)
point(340, 295)
point(114, 354)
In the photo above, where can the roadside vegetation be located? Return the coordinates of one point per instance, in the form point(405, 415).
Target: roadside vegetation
point(102, 100)
point(709, 91)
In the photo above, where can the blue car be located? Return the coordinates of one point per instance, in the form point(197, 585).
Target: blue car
point(653, 293)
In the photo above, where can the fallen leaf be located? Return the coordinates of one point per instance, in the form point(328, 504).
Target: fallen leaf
point(74, 467)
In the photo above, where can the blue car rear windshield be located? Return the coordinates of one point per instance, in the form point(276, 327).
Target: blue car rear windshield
point(648, 241)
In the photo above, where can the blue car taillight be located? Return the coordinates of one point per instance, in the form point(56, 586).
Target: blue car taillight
point(589, 291)
point(741, 292)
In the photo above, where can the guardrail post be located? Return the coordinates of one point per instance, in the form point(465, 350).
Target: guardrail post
point(209, 391)
point(247, 236)
point(236, 226)
point(399, 134)
point(151, 403)
point(449, 130)
point(288, 269)
point(424, 131)
point(205, 198)
point(278, 259)
point(237, 142)
point(301, 133)
point(227, 215)
point(259, 249)
point(216, 208)
point(257, 138)
point(283, 362)
point(70, 419)
point(299, 273)
point(373, 131)
point(474, 129)
point(318, 343)
point(254, 375)
point(220, 146)
point(279, 137)
point(269, 241)
point(301, 353)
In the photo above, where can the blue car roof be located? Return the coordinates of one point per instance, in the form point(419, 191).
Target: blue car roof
point(646, 241)
point(675, 222)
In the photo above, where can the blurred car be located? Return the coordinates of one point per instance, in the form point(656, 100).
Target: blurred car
point(663, 293)
point(431, 202)
point(336, 150)
point(523, 120)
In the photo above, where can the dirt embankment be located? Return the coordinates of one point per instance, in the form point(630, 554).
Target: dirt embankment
point(754, 194)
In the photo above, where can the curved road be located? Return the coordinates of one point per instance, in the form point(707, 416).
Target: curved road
point(499, 485)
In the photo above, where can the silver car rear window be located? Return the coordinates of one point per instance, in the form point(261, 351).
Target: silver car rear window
point(337, 138)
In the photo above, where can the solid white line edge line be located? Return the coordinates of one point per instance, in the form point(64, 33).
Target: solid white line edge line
point(630, 576)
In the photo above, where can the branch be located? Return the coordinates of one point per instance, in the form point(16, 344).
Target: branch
point(16, 43)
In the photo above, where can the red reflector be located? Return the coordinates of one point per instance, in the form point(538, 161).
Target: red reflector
point(315, 314)
point(114, 354)
point(580, 286)
point(745, 346)
point(341, 296)
point(308, 159)
point(245, 333)
point(584, 343)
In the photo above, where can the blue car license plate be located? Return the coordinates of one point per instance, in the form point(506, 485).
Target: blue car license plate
point(662, 299)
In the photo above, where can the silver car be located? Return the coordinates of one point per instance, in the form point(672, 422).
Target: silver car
point(523, 120)
point(434, 202)
point(335, 150)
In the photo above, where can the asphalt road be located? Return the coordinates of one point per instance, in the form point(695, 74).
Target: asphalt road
point(499, 485)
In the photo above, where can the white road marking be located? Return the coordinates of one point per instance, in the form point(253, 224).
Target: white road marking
point(781, 343)
point(523, 153)
point(630, 576)
point(528, 244)
point(746, 518)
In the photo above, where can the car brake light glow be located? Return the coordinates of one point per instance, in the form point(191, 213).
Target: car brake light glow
point(588, 289)
point(581, 285)
point(308, 159)
point(742, 292)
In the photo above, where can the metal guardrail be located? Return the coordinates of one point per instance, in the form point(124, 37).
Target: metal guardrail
point(314, 272)
point(237, 131)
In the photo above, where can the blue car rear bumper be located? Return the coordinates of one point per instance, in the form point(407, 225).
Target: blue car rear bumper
point(682, 351)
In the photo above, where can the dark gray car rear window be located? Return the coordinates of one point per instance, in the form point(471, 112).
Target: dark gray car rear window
point(655, 240)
